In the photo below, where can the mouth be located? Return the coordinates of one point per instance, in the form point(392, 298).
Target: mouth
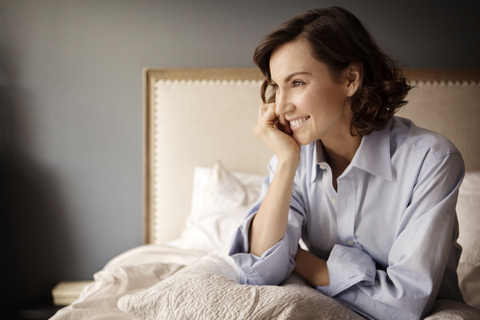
point(295, 124)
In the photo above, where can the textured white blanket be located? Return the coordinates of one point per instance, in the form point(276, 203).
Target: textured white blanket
point(209, 289)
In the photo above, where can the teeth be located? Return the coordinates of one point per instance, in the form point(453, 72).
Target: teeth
point(298, 121)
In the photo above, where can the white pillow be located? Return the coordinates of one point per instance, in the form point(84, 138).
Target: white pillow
point(209, 289)
point(468, 212)
point(220, 201)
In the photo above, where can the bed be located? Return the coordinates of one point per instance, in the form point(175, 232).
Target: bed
point(202, 170)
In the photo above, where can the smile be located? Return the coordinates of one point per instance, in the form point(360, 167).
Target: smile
point(297, 122)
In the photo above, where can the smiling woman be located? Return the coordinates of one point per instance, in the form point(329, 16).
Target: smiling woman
point(371, 195)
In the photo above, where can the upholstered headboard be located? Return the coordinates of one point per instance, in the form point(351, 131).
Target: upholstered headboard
point(197, 116)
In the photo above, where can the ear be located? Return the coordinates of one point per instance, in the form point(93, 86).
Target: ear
point(354, 76)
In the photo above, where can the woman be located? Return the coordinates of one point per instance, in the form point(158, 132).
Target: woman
point(371, 195)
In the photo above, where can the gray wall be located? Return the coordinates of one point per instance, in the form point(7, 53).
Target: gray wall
point(71, 109)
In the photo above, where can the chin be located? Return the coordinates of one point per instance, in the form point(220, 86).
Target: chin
point(303, 141)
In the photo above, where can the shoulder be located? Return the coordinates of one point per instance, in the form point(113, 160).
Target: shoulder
point(405, 136)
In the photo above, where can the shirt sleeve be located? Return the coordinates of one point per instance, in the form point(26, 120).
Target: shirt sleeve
point(426, 237)
point(278, 262)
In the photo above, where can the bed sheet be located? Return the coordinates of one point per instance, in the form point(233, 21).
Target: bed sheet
point(130, 272)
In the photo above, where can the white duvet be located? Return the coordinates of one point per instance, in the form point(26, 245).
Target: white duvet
point(135, 270)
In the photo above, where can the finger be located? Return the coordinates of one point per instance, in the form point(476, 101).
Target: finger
point(269, 115)
point(263, 108)
point(267, 120)
point(284, 125)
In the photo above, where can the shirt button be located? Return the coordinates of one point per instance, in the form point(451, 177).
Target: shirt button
point(322, 167)
point(350, 243)
point(334, 200)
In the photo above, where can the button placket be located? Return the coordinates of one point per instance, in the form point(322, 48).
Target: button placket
point(346, 209)
point(329, 191)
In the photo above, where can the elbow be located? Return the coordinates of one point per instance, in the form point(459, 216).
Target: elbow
point(271, 268)
point(262, 271)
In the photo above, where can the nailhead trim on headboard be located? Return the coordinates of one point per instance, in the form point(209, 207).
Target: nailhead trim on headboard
point(421, 83)
point(207, 82)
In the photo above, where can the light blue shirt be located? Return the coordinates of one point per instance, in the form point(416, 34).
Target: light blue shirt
point(388, 234)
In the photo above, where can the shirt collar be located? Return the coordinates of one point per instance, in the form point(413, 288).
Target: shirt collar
point(373, 154)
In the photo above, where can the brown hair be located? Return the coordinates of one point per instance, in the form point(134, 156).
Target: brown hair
point(338, 39)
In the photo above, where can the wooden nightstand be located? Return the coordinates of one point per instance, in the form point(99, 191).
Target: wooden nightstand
point(40, 311)
point(63, 294)
point(66, 292)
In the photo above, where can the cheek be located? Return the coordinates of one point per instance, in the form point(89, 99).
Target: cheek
point(318, 104)
point(322, 101)
point(334, 100)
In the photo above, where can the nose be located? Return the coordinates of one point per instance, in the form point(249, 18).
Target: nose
point(283, 104)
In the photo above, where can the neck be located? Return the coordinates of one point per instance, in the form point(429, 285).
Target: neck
point(339, 153)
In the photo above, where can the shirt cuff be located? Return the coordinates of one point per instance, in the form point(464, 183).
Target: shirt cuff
point(347, 267)
point(273, 267)
point(269, 269)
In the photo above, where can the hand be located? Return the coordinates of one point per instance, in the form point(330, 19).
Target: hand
point(311, 268)
point(275, 132)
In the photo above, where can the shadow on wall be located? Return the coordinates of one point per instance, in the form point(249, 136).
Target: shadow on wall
point(33, 227)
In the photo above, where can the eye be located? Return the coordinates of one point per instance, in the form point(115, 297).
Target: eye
point(274, 86)
point(297, 83)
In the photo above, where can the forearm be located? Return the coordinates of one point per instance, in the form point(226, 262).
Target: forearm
point(311, 268)
point(270, 222)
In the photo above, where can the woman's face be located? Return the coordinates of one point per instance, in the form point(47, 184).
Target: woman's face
point(316, 106)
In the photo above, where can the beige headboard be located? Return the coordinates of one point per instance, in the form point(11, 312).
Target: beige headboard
point(197, 116)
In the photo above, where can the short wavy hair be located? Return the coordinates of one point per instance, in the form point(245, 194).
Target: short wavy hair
point(338, 39)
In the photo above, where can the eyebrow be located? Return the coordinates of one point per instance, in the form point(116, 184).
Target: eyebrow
point(289, 77)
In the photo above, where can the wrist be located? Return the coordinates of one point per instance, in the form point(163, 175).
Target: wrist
point(311, 268)
point(289, 162)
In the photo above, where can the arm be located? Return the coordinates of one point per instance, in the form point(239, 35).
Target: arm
point(266, 243)
point(270, 222)
point(277, 262)
point(311, 268)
